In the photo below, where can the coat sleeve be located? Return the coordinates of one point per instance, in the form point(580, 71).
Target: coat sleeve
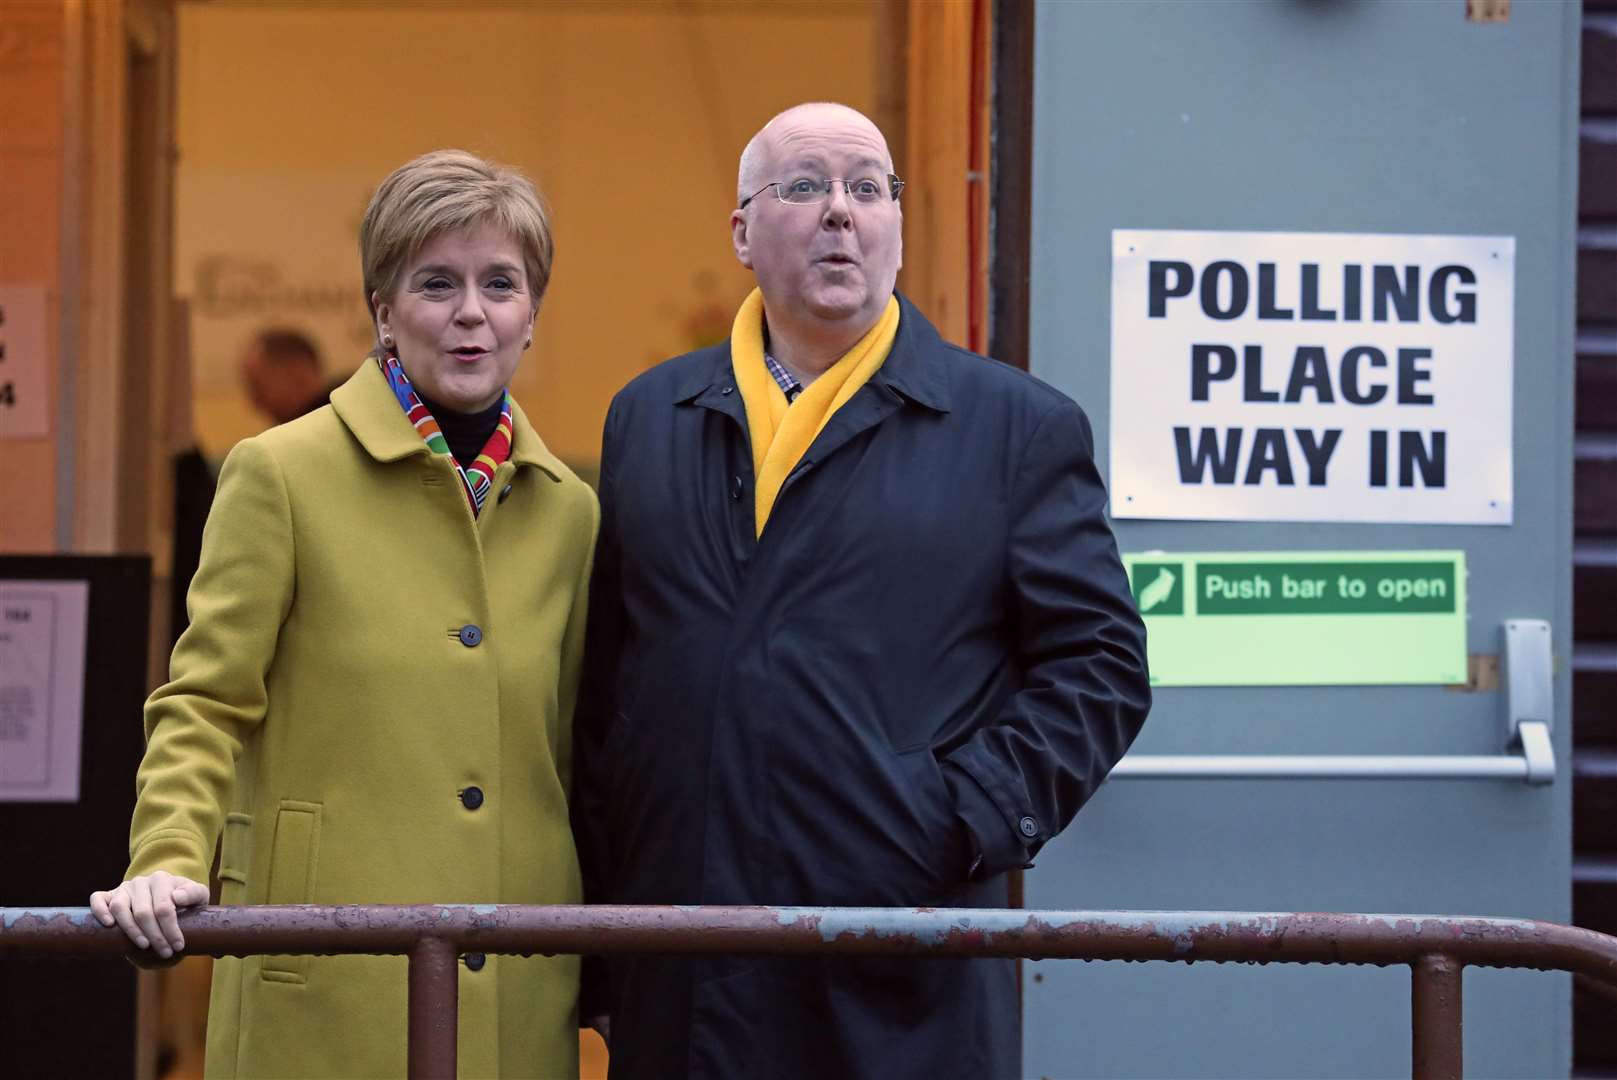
point(1081, 647)
point(592, 720)
point(197, 722)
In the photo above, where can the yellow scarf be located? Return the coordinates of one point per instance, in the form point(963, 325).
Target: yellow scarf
point(783, 431)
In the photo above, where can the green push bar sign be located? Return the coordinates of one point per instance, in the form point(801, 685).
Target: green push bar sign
point(1302, 618)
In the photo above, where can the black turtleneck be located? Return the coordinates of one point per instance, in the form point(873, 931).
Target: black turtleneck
point(466, 433)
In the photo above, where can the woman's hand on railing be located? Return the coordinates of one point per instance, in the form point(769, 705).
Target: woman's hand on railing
point(146, 908)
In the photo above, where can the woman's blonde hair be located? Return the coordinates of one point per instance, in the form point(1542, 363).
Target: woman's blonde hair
point(444, 191)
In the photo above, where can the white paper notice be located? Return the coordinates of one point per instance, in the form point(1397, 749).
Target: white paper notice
point(42, 631)
point(1312, 377)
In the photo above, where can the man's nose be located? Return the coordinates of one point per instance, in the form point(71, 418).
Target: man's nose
point(838, 213)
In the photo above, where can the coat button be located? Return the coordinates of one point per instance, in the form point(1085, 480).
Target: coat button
point(1029, 827)
point(735, 488)
point(505, 493)
point(727, 391)
point(471, 798)
point(475, 961)
point(470, 636)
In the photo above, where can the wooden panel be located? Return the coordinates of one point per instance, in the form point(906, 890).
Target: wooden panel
point(1594, 496)
point(1594, 810)
point(1594, 709)
point(30, 78)
point(934, 162)
point(1597, 172)
point(1593, 1032)
point(1011, 178)
point(30, 212)
point(1594, 607)
point(98, 425)
point(30, 215)
point(1597, 392)
point(28, 517)
point(1597, 284)
point(1594, 905)
point(1594, 694)
point(1599, 68)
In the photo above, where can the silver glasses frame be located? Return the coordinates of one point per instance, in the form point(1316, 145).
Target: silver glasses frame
point(894, 187)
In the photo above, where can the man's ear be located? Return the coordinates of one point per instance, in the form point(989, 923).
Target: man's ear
point(738, 238)
point(901, 236)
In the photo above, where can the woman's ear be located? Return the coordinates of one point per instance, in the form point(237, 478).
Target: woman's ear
point(381, 312)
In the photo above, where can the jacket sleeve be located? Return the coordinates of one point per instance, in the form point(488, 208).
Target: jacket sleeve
point(592, 720)
point(1080, 645)
point(197, 722)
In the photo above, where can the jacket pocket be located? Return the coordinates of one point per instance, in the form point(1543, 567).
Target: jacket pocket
point(235, 857)
point(941, 835)
point(294, 859)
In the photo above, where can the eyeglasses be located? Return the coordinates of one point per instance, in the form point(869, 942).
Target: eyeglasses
point(808, 190)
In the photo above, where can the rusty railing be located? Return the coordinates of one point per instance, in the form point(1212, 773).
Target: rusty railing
point(1437, 949)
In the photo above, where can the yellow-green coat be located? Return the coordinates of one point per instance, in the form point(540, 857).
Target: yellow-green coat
point(326, 712)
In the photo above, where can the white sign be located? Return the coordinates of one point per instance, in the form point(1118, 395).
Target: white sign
point(1312, 377)
point(42, 626)
point(24, 407)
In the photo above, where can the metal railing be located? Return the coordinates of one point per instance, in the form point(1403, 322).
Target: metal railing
point(1436, 948)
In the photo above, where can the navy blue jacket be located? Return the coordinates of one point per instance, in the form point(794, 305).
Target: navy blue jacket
point(903, 689)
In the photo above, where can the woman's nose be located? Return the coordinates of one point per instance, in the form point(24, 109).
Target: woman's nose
point(470, 311)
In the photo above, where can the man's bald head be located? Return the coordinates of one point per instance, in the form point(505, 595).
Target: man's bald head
point(757, 158)
point(826, 262)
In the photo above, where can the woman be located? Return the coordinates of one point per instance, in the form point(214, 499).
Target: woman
point(373, 701)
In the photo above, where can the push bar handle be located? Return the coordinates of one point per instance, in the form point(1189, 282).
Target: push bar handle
point(1534, 765)
point(1529, 755)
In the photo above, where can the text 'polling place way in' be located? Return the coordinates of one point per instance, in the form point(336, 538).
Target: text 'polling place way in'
point(1312, 377)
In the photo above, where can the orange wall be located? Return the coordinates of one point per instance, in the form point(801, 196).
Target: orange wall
point(31, 81)
point(629, 115)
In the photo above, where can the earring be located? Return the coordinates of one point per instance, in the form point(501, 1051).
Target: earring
point(387, 340)
point(526, 345)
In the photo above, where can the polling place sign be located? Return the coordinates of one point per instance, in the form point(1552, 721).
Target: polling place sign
point(1302, 618)
point(1268, 376)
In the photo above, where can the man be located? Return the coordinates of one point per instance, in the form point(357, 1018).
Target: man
point(859, 636)
point(281, 373)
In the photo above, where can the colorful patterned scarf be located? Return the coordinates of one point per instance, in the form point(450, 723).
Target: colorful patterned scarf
point(475, 478)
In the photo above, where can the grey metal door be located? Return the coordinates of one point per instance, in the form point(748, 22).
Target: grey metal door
point(1339, 117)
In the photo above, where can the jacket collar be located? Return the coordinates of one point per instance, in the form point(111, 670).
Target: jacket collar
point(909, 369)
point(366, 405)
